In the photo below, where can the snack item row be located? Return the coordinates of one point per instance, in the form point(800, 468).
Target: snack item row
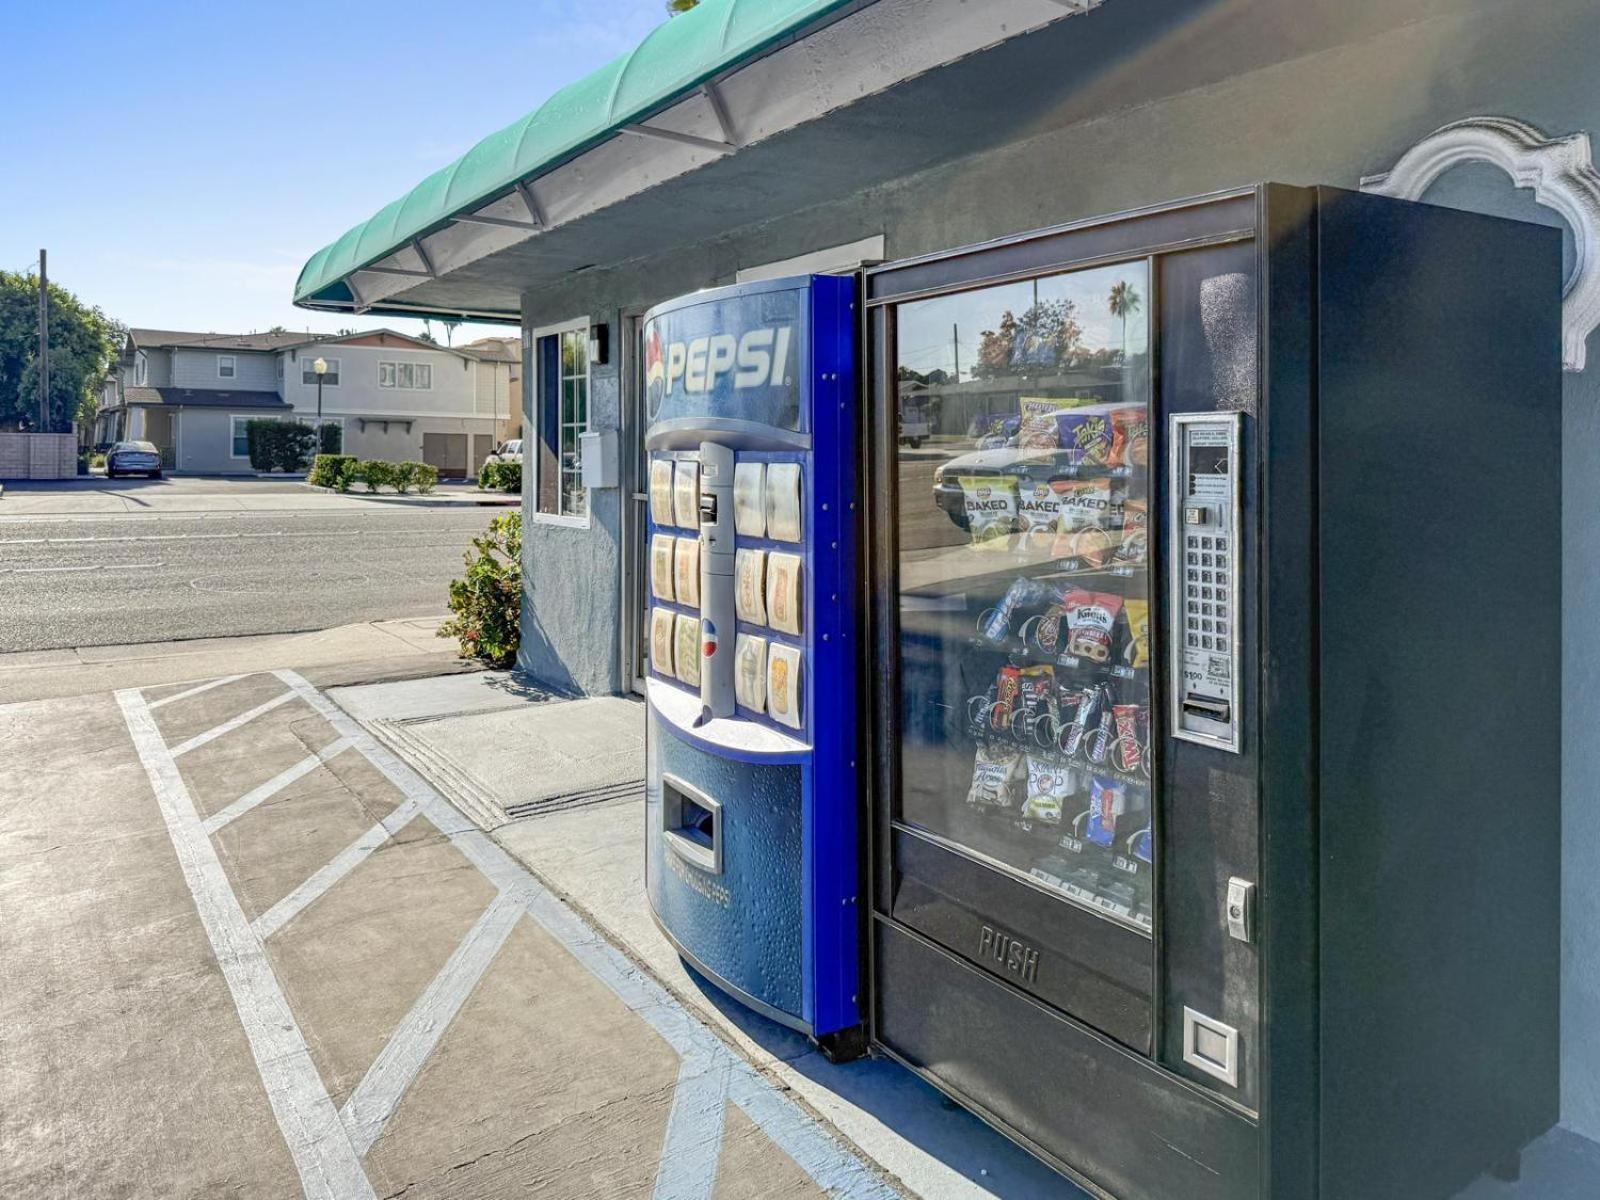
point(1102, 627)
point(766, 500)
point(1084, 523)
point(1089, 722)
point(1096, 807)
point(1087, 433)
point(767, 588)
point(767, 678)
point(675, 648)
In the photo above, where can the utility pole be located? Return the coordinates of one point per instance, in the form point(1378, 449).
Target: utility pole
point(955, 343)
point(44, 347)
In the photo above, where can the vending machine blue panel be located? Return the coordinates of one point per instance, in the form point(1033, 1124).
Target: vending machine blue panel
point(752, 867)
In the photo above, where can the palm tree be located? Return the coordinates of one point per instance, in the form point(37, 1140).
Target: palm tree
point(1124, 302)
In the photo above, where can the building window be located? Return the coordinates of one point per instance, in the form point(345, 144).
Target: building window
point(416, 377)
point(308, 377)
point(241, 437)
point(561, 402)
point(227, 366)
point(141, 369)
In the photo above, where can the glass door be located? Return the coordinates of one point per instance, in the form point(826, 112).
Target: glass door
point(1023, 526)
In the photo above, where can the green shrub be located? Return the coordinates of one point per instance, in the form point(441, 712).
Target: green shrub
point(487, 603)
point(279, 445)
point(375, 474)
point(500, 477)
point(424, 475)
point(405, 476)
point(331, 440)
point(327, 468)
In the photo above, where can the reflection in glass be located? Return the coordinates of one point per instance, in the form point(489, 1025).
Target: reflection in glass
point(1024, 595)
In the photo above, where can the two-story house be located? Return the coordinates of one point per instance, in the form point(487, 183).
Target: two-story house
point(392, 396)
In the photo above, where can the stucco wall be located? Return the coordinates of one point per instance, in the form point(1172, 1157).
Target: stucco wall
point(358, 392)
point(1236, 92)
point(205, 442)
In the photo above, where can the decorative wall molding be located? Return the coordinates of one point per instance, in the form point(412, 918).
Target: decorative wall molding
point(1561, 173)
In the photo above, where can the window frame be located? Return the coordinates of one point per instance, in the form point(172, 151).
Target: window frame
point(412, 367)
point(232, 363)
point(234, 421)
point(308, 377)
point(531, 471)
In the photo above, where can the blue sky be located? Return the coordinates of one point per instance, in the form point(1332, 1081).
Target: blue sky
point(180, 162)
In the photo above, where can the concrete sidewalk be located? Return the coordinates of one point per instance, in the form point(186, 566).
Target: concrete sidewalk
point(101, 497)
point(484, 742)
point(251, 953)
point(367, 651)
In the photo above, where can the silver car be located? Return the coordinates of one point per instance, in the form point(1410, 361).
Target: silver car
point(133, 458)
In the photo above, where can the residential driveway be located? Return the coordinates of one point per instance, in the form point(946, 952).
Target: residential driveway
point(248, 952)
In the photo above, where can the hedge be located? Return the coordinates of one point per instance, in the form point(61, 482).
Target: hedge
point(486, 604)
point(402, 477)
point(500, 477)
point(332, 470)
point(279, 445)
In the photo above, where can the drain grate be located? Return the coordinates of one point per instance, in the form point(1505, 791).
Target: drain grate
point(629, 789)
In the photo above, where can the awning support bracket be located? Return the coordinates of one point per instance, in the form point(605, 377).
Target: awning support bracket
point(683, 139)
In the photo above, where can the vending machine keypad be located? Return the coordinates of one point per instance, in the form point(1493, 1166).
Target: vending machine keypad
point(1204, 483)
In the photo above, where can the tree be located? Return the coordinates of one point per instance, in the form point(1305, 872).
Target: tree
point(83, 346)
point(674, 7)
point(1124, 302)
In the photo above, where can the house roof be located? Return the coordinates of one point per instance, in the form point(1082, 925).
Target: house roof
point(377, 336)
point(160, 339)
point(503, 350)
point(176, 397)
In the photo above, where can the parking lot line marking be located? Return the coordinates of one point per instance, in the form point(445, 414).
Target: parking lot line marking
point(692, 1145)
point(384, 1085)
point(835, 1169)
point(90, 567)
point(347, 860)
point(327, 1163)
point(194, 691)
point(244, 718)
point(274, 785)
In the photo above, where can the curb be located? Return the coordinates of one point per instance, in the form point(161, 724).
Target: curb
point(422, 500)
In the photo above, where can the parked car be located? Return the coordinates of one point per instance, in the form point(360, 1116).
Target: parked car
point(507, 452)
point(133, 458)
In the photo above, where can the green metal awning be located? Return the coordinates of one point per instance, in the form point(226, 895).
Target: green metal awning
point(677, 57)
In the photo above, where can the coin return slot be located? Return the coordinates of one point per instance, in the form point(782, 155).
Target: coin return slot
point(692, 822)
point(1206, 708)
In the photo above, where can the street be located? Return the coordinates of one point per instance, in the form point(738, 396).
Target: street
point(263, 560)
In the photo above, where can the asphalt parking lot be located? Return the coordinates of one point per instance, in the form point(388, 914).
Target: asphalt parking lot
point(250, 952)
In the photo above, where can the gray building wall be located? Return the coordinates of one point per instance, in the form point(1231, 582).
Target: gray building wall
point(205, 442)
point(253, 372)
point(1246, 90)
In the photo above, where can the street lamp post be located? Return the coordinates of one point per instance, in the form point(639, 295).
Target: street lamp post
point(320, 367)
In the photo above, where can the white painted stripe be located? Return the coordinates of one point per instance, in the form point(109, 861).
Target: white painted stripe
point(693, 1142)
point(835, 1168)
point(384, 1085)
point(328, 1165)
point(274, 785)
point(194, 691)
point(99, 567)
point(244, 718)
point(347, 860)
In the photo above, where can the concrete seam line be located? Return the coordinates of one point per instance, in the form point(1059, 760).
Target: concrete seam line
point(273, 786)
point(194, 691)
point(328, 1165)
point(692, 1145)
point(216, 731)
point(384, 1085)
point(330, 873)
point(834, 1167)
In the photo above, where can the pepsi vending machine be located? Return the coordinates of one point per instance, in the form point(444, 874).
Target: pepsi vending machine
point(752, 861)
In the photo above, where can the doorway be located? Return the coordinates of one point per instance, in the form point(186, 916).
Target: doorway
point(635, 507)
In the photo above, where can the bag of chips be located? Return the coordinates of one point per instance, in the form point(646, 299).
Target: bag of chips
point(1131, 436)
point(996, 773)
point(1083, 539)
point(1049, 787)
point(1085, 436)
point(1133, 544)
point(1039, 513)
point(1137, 652)
point(1091, 616)
point(1108, 800)
point(991, 506)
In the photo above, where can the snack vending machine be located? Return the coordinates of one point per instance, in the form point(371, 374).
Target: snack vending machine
point(1216, 803)
point(752, 791)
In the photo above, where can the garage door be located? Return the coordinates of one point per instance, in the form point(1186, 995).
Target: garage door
point(482, 447)
point(447, 451)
